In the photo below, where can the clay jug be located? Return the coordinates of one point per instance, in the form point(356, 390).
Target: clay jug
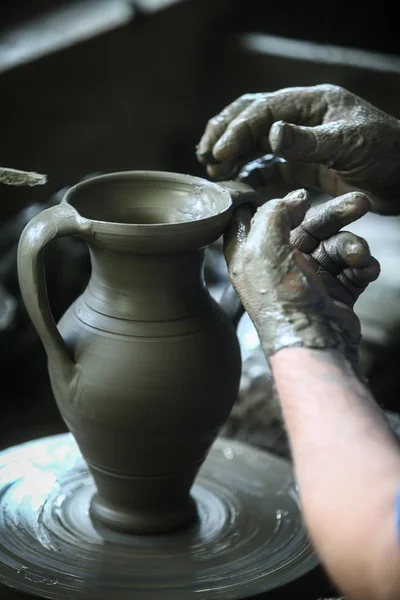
point(144, 366)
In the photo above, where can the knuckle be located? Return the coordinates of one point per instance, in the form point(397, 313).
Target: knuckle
point(355, 241)
point(330, 88)
point(248, 97)
point(214, 121)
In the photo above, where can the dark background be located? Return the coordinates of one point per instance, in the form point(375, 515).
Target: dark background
point(138, 97)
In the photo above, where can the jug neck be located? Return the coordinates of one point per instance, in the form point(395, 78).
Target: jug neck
point(147, 287)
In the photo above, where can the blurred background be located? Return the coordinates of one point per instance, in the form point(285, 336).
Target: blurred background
point(98, 86)
point(90, 87)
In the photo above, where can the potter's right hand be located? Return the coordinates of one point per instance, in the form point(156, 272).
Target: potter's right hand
point(298, 274)
point(328, 137)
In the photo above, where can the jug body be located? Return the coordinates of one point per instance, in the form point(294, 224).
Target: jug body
point(144, 366)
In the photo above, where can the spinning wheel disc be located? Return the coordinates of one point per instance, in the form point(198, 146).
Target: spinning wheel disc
point(249, 538)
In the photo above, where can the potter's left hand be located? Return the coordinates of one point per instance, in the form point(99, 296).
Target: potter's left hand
point(298, 275)
point(321, 136)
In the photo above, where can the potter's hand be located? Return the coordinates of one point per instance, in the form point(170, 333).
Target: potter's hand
point(330, 139)
point(297, 275)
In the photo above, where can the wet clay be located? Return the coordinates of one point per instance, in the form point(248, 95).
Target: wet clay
point(18, 178)
point(249, 538)
point(279, 278)
point(144, 366)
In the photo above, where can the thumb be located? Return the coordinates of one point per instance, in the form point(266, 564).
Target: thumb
point(322, 144)
point(271, 225)
point(236, 234)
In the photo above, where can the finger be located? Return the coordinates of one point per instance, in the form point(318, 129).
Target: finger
point(361, 277)
point(353, 281)
point(216, 127)
point(344, 249)
point(247, 134)
point(324, 220)
point(272, 223)
point(223, 171)
point(330, 144)
point(347, 257)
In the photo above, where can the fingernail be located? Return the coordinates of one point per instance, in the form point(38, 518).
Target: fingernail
point(201, 147)
point(219, 146)
point(285, 134)
point(353, 195)
point(222, 171)
point(359, 196)
point(300, 195)
point(225, 148)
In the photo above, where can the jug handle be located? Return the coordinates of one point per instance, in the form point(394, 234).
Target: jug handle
point(240, 193)
point(54, 222)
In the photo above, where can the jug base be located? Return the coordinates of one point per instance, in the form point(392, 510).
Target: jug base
point(140, 522)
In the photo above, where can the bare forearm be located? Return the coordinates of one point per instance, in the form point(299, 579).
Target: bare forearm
point(348, 468)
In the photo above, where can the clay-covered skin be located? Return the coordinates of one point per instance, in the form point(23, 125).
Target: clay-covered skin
point(330, 139)
point(16, 177)
point(297, 275)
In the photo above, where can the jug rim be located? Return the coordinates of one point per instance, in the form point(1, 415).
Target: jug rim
point(152, 177)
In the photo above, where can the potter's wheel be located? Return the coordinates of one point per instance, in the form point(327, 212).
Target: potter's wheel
point(249, 539)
